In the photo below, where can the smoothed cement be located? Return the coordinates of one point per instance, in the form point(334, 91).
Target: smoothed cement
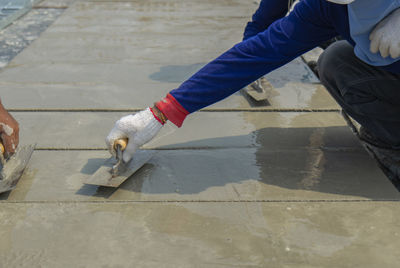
point(115, 85)
point(219, 174)
point(229, 189)
point(200, 235)
point(92, 58)
point(268, 130)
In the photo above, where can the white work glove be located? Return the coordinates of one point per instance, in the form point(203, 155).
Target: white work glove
point(139, 128)
point(386, 36)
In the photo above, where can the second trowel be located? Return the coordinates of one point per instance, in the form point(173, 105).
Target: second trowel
point(115, 171)
point(12, 169)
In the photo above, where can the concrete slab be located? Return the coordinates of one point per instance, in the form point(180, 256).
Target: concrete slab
point(90, 57)
point(242, 174)
point(200, 235)
point(110, 86)
point(85, 130)
point(248, 189)
point(143, 30)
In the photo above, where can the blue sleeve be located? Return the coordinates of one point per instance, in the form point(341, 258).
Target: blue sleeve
point(267, 12)
point(303, 29)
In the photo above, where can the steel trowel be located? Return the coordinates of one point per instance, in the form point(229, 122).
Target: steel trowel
point(115, 171)
point(259, 90)
point(12, 169)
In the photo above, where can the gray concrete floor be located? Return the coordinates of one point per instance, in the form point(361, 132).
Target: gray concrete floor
point(239, 185)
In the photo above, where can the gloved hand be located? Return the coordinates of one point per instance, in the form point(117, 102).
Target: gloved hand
point(386, 36)
point(139, 128)
point(9, 131)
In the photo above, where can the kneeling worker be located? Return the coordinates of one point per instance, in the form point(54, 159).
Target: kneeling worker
point(362, 72)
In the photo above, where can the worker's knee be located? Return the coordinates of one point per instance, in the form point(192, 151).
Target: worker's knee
point(334, 61)
point(345, 76)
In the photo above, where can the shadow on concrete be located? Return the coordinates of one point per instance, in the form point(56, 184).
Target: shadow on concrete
point(90, 168)
point(176, 73)
point(93, 165)
point(5, 195)
point(97, 191)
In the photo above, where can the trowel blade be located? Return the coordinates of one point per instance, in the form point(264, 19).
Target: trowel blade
point(14, 167)
point(104, 175)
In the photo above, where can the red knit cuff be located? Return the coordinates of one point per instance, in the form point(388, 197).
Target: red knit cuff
point(171, 108)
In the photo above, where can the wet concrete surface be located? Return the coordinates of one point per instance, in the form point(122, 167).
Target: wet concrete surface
point(24, 31)
point(11, 10)
point(238, 174)
point(239, 185)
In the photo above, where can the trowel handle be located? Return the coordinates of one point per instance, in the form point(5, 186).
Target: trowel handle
point(2, 150)
point(122, 143)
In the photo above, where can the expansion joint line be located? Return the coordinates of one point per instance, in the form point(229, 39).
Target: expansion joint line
point(208, 110)
point(70, 149)
point(193, 201)
point(151, 149)
point(49, 7)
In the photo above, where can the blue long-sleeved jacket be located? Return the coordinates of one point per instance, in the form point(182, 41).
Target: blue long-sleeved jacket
point(309, 24)
point(268, 12)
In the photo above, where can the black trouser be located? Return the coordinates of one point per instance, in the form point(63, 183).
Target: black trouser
point(368, 94)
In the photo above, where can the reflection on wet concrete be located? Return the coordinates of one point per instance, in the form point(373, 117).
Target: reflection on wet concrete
point(272, 160)
point(176, 73)
point(329, 162)
point(280, 163)
point(239, 156)
point(316, 161)
point(294, 72)
point(326, 160)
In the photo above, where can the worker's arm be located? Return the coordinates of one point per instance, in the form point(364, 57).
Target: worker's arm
point(9, 131)
point(267, 12)
point(284, 40)
point(303, 29)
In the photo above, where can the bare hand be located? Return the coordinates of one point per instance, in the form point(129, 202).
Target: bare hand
point(9, 131)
